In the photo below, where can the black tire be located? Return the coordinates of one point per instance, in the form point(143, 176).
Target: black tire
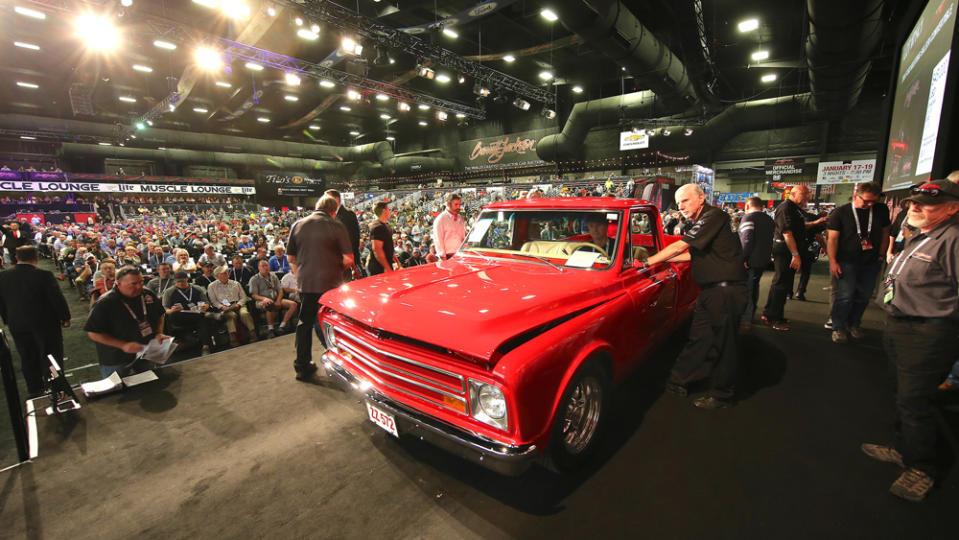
point(579, 419)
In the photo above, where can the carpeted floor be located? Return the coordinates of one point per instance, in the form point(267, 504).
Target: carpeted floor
point(231, 446)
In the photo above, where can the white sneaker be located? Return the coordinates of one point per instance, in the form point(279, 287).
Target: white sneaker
point(828, 325)
point(839, 336)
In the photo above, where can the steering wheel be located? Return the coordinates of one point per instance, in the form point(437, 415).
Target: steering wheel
point(587, 246)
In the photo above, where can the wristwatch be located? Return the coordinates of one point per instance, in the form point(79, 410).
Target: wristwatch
point(795, 253)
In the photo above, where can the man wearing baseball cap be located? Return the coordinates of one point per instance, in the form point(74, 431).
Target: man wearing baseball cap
point(187, 306)
point(921, 298)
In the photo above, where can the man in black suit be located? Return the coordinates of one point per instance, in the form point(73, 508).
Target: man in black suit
point(756, 232)
point(15, 235)
point(346, 216)
point(33, 307)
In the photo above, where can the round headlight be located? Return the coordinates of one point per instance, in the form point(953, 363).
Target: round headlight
point(330, 336)
point(492, 401)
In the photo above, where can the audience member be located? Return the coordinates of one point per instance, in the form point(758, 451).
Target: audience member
point(186, 305)
point(266, 291)
point(228, 296)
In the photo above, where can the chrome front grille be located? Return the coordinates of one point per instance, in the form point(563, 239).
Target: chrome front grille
point(395, 370)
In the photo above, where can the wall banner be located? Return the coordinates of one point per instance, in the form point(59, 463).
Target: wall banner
point(631, 140)
point(512, 150)
point(846, 172)
point(97, 187)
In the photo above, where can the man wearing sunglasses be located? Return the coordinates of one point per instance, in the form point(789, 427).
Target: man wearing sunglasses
point(858, 234)
point(921, 298)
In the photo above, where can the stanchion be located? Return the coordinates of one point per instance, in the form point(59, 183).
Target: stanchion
point(17, 422)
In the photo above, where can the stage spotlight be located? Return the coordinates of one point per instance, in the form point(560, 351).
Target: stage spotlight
point(423, 124)
point(425, 72)
point(126, 3)
point(545, 75)
point(460, 115)
point(759, 56)
point(223, 84)
point(97, 32)
point(292, 79)
point(424, 107)
point(32, 13)
point(549, 15)
point(354, 95)
point(403, 106)
point(127, 99)
point(667, 132)
point(208, 59)
point(768, 78)
point(208, 3)
point(521, 104)
point(449, 32)
point(577, 89)
point(480, 90)
point(235, 9)
point(263, 120)
point(344, 108)
point(253, 66)
point(150, 123)
point(201, 110)
point(382, 97)
point(385, 116)
point(306, 34)
point(548, 113)
point(141, 126)
point(298, 21)
point(443, 78)
point(327, 84)
point(164, 45)
point(461, 79)
point(509, 58)
point(350, 46)
point(289, 97)
point(271, 11)
point(315, 28)
point(314, 127)
point(390, 138)
point(355, 133)
point(687, 132)
point(748, 25)
point(441, 116)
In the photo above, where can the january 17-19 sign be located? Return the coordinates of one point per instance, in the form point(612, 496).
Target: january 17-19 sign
point(846, 172)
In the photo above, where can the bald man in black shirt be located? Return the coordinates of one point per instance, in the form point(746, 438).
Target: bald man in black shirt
point(716, 258)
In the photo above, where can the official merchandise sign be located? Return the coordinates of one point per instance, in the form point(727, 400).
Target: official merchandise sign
point(96, 187)
point(781, 167)
point(632, 140)
point(846, 172)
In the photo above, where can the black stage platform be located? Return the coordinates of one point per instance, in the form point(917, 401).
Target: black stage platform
point(230, 446)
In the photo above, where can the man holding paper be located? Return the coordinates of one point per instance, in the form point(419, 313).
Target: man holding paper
point(187, 306)
point(123, 321)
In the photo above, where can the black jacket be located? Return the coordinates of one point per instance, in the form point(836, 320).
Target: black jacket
point(30, 298)
point(756, 235)
point(348, 219)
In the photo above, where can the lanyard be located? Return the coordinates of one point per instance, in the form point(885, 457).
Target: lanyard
point(163, 284)
point(855, 216)
point(143, 305)
point(189, 300)
point(901, 261)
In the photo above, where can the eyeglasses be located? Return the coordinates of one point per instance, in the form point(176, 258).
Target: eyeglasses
point(867, 201)
point(932, 191)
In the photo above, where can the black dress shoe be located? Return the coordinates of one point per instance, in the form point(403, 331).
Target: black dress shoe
point(306, 373)
point(801, 297)
point(712, 402)
point(677, 389)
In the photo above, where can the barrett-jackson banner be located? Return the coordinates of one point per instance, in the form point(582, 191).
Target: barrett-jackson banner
point(289, 184)
point(97, 187)
point(513, 150)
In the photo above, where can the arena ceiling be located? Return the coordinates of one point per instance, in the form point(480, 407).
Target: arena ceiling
point(49, 71)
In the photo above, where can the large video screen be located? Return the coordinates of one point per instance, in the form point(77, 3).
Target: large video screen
point(920, 91)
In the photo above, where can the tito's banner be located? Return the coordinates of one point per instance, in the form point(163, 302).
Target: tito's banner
point(96, 187)
point(513, 150)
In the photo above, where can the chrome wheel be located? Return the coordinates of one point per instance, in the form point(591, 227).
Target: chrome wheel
point(582, 413)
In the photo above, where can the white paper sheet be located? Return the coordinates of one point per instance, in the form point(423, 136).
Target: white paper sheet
point(140, 378)
point(104, 386)
point(157, 352)
point(582, 259)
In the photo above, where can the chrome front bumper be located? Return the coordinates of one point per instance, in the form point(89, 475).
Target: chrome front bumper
point(503, 459)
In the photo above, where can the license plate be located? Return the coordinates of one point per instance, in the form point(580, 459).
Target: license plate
point(382, 419)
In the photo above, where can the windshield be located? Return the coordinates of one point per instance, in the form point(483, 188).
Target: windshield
point(572, 238)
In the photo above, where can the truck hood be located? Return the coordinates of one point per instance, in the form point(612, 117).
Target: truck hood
point(468, 304)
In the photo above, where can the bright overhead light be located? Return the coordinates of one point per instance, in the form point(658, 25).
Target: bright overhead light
point(460, 115)
point(768, 78)
point(104, 144)
point(354, 95)
point(687, 132)
point(422, 123)
point(760, 55)
point(97, 32)
point(161, 147)
point(263, 120)
point(509, 58)
point(28, 138)
point(382, 97)
point(748, 25)
point(314, 127)
point(354, 133)
point(27, 85)
point(390, 138)
point(327, 84)
point(350, 46)
point(344, 108)
point(172, 107)
point(578, 89)
point(441, 116)
point(545, 75)
point(298, 21)
point(150, 123)
point(164, 45)
point(126, 3)
point(127, 99)
point(292, 79)
point(424, 107)
point(449, 32)
point(385, 116)
point(443, 78)
point(521, 104)
point(32, 13)
point(403, 106)
point(23, 45)
point(208, 3)
point(271, 11)
point(253, 66)
point(461, 79)
point(425, 72)
point(291, 98)
point(144, 69)
point(224, 84)
point(307, 34)
point(549, 15)
point(548, 113)
point(200, 110)
point(208, 59)
point(235, 9)
point(315, 28)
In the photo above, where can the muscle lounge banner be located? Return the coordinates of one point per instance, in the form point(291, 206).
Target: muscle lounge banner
point(504, 151)
point(97, 187)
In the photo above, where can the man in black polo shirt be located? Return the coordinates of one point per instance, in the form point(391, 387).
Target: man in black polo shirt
point(788, 242)
point(122, 321)
point(716, 259)
point(921, 298)
point(858, 239)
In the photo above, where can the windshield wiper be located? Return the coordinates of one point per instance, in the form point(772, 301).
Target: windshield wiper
point(537, 257)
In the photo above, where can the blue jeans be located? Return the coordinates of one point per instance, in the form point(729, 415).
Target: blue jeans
point(853, 291)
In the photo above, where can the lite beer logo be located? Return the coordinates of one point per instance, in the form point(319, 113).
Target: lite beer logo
point(497, 149)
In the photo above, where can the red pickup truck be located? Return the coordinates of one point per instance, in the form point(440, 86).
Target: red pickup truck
point(506, 353)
